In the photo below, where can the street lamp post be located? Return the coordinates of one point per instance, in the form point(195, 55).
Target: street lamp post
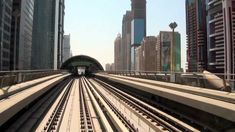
point(173, 25)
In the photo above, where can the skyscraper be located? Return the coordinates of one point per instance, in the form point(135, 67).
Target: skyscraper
point(149, 53)
point(221, 37)
point(126, 40)
point(118, 53)
point(66, 47)
point(5, 33)
point(163, 46)
point(196, 35)
point(47, 32)
point(138, 26)
point(146, 55)
point(21, 38)
point(60, 32)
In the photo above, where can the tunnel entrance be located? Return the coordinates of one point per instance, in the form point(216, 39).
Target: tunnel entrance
point(82, 65)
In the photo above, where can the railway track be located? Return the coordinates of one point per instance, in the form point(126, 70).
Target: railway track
point(156, 119)
point(82, 104)
point(120, 115)
point(54, 121)
point(85, 115)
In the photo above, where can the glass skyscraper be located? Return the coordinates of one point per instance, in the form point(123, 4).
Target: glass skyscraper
point(138, 26)
point(21, 38)
point(5, 33)
point(47, 30)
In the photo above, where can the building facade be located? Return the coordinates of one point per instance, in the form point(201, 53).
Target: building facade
point(112, 67)
point(66, 48)
point(47, 34)
point(138, 58)
point(221, 39)
point(164, 43)
point(5, 33)
point(118, 53)
point(126, 40)
point(60, 32)
point(158, 52)
point(146, 55)
point(21, 38)
point(108, 67)
point(196, 35)
point(149, 62)
point(138, 26)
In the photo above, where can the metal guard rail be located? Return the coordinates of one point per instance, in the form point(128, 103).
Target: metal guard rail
point(191, 79)
point(8, 78)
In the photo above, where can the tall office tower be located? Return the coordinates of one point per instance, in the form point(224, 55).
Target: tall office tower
point(126, 40)
point(21, 38)
point(221, 37)
point(164, 42)
point(5, 33)
point(196, 35)
point(60, 32)
point(138, 26)
point(46, 34)
point(66, 47)
point(149, 53)
point(118, 53)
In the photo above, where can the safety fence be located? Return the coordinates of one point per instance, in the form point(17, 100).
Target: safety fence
point(8, 78)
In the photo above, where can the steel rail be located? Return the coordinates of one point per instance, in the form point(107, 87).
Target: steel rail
point(124, 120)
point(54, 121)
point(161, 118)
point(100, 111)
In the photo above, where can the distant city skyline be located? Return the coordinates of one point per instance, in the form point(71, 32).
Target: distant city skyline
point(93, 25)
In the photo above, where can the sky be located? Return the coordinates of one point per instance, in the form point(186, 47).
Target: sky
point(94, 24)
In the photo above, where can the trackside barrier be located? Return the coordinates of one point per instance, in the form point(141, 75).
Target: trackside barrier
point(208, 80)
point(8, 78)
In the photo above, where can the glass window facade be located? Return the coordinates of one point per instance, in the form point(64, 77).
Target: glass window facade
point(45, 34)
point(137, 31)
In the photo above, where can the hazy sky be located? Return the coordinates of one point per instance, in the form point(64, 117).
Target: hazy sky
point(94, 24)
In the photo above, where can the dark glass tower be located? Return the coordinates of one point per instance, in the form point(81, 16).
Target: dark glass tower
point(47, 34)
point(5, 33)
point(138, 26)
point(21, 36)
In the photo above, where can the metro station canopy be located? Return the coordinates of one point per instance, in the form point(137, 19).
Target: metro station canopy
point(82, 61)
